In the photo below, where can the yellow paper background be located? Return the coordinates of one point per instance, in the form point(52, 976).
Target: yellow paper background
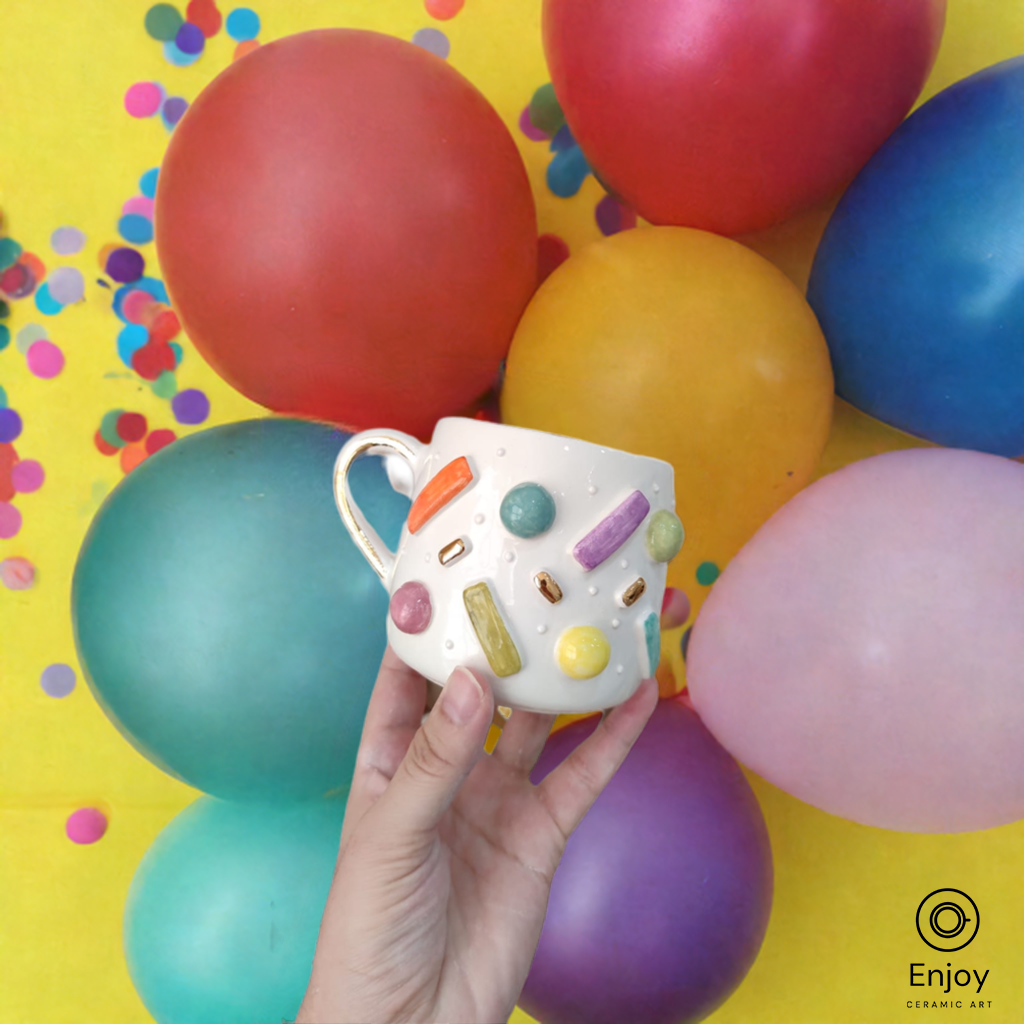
point(842, 932)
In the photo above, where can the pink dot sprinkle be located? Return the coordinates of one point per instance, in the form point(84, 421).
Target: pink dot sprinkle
point(10, 520)
point(86, 826)
point(141, 205)
point(17, 573)
point(27, 476)
point(410, 607)
point(143, 99)
point(45, 360)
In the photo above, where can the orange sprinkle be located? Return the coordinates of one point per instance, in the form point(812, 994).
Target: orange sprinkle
point(244, 47)
point(448, 482)
point(35, 264)
point(132, 455)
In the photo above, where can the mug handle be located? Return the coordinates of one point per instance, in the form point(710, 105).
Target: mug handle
point(371, 442)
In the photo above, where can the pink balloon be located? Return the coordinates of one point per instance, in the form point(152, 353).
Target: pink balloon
point(865, 650)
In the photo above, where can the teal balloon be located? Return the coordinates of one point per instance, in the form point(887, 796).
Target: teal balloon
point(225, 621)
point(222, 916)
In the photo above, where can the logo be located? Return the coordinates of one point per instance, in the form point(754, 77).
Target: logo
point(948, 919)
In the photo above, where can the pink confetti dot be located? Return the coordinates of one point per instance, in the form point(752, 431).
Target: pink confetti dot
point(143, 99)
point(10, 521)
point(135, 305)
point(86, 826)
point(27, 476)
point(141, 205)
point(17, 573)
point(45, 360)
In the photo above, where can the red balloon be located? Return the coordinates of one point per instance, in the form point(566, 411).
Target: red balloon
point(346, 230)
point(733, 115)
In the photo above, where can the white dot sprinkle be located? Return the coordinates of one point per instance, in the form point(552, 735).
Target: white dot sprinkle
point(565, 447)
point(591, 489)
point(593, 591)
point(616, 623)
point(449, 644)
point(510, 556)
point(624, 563)
point(542, 628)
point(656, 488)
point(426, 557)
point(500, 452)
point(620, 669)
point(478, 518)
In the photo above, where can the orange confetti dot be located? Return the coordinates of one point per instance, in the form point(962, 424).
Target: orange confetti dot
point(244, 47)
point(667, 685)
point(34, 263)
point(132, 455)
point(104, 255)
point(443, 9)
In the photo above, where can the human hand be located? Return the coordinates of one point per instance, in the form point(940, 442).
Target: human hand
point(447, 853)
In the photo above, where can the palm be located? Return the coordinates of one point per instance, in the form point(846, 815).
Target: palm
point(457, 908)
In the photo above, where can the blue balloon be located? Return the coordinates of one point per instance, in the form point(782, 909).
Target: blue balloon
point(225, 620)
point(919, 279)
point(221, 921)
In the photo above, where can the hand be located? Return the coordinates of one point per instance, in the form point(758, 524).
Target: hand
point(447, 853)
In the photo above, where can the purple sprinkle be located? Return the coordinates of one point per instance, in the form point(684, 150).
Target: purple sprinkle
point(529, 129)
point(190, 406)
point(57, 680)
point(612, 532)
point(125, 265)
point(173, 109)
point(190, 39)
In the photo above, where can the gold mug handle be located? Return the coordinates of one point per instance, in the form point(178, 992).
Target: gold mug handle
point(365, 536)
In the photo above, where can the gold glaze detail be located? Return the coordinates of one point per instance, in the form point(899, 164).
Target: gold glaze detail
point(634, 592)
point(450, 552)
point(549, 589)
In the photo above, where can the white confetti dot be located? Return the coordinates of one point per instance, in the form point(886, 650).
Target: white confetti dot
point(591, 489)
point(593, 591)
point(616, 623)
point(542, 628)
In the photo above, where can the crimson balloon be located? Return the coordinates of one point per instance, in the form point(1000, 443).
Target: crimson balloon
point(346, 230)
point(732, 115)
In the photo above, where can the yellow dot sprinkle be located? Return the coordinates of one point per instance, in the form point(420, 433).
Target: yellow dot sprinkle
point(583, 652)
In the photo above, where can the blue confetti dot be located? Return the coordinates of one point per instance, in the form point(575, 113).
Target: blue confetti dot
point(178, 353)
point(129, 341)
point(135, 228)
point(242, 24)
point(176, 57)
point(434, 41)
point(10, 426)
point(567, 172)
point(563, 139)
point(172, 111)
point(190, 39)
point(46, 303)
point(5, 337)
point(147, 183)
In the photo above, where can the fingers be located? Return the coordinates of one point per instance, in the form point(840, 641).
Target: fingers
point(441, 755)
point(569, 791)
point(392, 718)
point(522, 739)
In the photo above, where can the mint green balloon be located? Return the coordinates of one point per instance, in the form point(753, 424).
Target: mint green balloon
point(222, 916)
point(225, 621)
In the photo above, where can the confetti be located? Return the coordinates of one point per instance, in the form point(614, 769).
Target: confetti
point(143, 99)
point(131, 426)
point(108, 429)
point(45, 360)
point(86, 826)
point(67, 241)
point(243, 24)
point(45, 302)
point(18, 281)
point(17, 574)
point(434, 41)
point(166, 385)
point(142, 205)
point(9, 252)
point(27, 476)
point(204, 13)
point(147, 183)
point(10, 426)
point(245, 47)
point(129, 341)
point(162, 22)
point(443, 9)
point(57, 680)
point(173, 110)
point(66, 285)
point(190, 407)
point(131, 456)
point(135, 229)
point(159, 439)
point(5, 336)
point(190, 39)
point(28, 336)
point(10, 521)
point(176, 57)
point(125, 265)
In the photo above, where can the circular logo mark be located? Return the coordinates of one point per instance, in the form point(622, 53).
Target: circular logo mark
point(948, 919)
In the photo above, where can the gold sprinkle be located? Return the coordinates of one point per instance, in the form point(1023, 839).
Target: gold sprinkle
point(450, 552)
point(550, 590)
point(634, 592)
point(505, 712)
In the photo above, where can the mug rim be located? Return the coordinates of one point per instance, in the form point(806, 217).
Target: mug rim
point(490, 424)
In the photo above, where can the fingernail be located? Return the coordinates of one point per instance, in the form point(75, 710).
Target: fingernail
point(461, 696)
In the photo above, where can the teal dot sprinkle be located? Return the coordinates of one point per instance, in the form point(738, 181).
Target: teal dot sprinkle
point(652, 634)
point(707, 573)
point(664, 535)
point(528, 510)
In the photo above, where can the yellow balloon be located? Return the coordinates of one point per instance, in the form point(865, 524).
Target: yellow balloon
point(688, 347)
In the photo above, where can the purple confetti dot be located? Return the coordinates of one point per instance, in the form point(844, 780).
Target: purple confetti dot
point(10, 425)
point(434, 41)
point(57, 680)
point(125, 265)
point(173, 109)
point(190, 39)
point(190, 406)
point(529, 129)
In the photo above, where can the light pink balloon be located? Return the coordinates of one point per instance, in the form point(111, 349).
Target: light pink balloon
point(865, 650)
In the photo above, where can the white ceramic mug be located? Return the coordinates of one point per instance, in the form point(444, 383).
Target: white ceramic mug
point(537, 560)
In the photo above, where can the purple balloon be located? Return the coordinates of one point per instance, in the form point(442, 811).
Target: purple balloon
point(662, 899)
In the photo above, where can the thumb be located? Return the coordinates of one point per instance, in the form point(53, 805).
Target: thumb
point(441, 755)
